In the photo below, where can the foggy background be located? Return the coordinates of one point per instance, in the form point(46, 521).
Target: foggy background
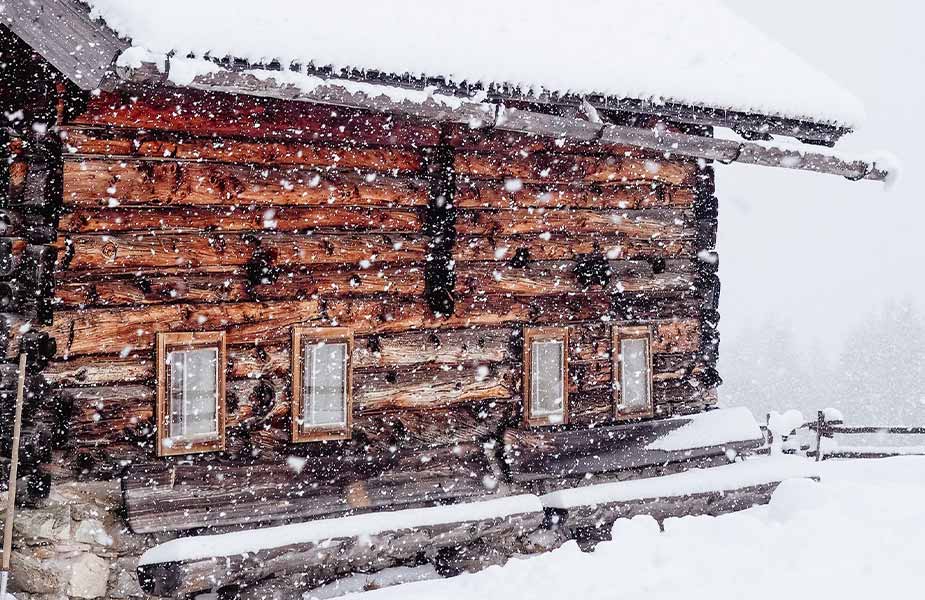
point(823, 286)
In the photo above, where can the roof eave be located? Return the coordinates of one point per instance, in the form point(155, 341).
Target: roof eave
point(82, 49)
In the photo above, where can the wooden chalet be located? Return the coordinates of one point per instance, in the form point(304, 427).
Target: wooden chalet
point(260, 291)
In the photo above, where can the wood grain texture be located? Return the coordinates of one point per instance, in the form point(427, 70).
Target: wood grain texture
point(104, 183)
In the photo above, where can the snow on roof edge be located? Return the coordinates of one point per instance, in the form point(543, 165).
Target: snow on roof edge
point(738, 69)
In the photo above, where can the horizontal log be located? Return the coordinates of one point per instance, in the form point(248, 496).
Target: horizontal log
point(716, 503)
point(133, 143)
point(497, 195)
point(534, 455)
point(248, 117)
point(562, 246)
point(661, 224)
point(330, 559)
point(430, 388)
point(93, 331)
point(489, 140)
point(453, 347)
point(156, 252)
point(170, 498)
point(543, 167)
point(284, 219)
point(551, 278)
point(106, 183)
point(235, 287)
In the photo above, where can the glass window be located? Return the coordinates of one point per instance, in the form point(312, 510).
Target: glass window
point(634, 375)
point(547, 390)
point(325, 393)
point(193, 377)
point(321, 383)
point(545, 376)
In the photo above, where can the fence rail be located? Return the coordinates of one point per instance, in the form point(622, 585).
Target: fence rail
point(827, 428)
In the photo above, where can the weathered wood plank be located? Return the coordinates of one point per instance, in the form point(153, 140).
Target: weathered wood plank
point(92, 331)
point(284, 219)
point(551, 278)
point(533, 455)
point(543, 167)
point(155, 251)
point(104, 183)
point(429, 388)
point(217, 114)
point(134, 143)
point(562, 246)
point(497, 195)
point(402, 350)
point(164, 498)
point(320, 562)
point(135, 291)
point(660, 224)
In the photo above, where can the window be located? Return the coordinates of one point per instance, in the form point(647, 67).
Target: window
point(633, 386)
point(546, 376)
point(190, 393)
point(321, 384)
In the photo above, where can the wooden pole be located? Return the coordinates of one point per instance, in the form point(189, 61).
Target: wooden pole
point(11, 492)
point(820, 433)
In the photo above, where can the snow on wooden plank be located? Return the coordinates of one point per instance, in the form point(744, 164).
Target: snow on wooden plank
point(243, 542)
point(744, 474)
point(713, 428)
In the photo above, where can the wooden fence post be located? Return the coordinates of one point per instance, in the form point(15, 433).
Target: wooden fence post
point(820, 427)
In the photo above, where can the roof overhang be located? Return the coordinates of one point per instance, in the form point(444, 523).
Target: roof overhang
point(85, 51)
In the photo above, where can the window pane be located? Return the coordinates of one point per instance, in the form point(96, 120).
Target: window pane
point(634, 375)
point(547, 377)
point(325, 376)
point(193, 392)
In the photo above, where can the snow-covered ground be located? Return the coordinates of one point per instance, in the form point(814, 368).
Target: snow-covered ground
point(858, 533)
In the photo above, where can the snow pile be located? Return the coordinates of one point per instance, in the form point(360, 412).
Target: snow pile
point(712, 428)
point(697, 53)
point(738, 475)
point(858, 534)
point(782, 426)
point(243, 542)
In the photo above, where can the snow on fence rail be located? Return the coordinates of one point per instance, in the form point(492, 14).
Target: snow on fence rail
point(782, 429)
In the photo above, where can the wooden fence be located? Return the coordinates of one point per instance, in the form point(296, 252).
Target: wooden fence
point(824, 428)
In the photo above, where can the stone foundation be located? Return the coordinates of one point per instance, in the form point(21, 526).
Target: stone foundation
point(74, 545)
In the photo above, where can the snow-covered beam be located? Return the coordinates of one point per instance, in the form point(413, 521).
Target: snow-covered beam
point(288, 85)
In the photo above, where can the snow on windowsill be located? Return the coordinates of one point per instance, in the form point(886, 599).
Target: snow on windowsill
point(244, 542)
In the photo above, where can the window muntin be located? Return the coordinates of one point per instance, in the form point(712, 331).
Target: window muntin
point(546, 376)
point(322, 383)
point(633, 388)
point(190, 392)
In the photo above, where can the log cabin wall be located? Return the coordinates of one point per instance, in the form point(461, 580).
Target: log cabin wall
point(31, 100)
point(436, 245)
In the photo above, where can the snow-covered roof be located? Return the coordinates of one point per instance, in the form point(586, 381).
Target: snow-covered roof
point(689, 53)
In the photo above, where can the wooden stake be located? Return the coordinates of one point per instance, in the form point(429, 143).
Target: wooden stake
point(11, 495)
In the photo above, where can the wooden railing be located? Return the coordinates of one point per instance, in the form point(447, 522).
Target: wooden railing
point(827, 428)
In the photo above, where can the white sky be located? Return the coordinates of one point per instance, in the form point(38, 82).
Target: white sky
point(821, 252)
